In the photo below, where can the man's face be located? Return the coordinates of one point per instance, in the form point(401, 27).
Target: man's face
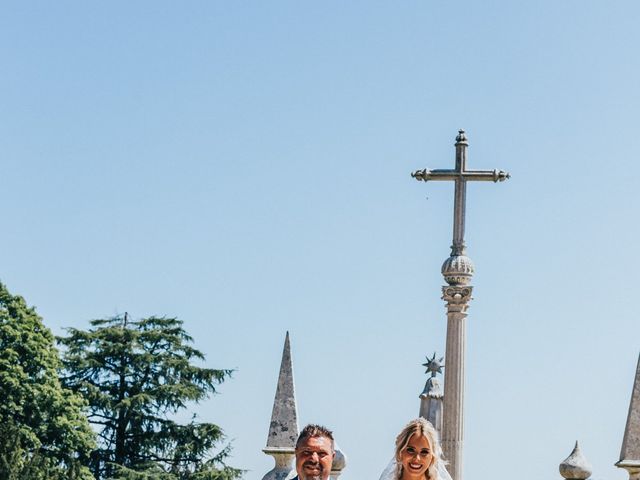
point(314, 457)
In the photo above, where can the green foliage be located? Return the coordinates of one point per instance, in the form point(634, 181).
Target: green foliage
point(136, 376)
point(43, 431)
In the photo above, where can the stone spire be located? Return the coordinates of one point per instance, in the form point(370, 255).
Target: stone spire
point(283, 430)
point(575, 466)
point(630, 452)
point(431, 396)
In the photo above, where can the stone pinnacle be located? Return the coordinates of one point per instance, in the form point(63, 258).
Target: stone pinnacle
point(283, 430)
point(630, 452)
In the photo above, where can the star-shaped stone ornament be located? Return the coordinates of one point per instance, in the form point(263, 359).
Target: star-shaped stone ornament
point(434, 366)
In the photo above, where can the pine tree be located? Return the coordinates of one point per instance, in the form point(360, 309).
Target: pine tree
point(44, 433)
point(136, 375)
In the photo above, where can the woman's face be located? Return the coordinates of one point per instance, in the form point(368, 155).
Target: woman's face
point(416, 457)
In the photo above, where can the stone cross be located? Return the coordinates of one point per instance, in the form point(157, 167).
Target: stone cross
point(460, 175)
point(457, 271)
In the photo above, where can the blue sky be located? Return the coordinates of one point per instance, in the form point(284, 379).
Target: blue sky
point(245, 167)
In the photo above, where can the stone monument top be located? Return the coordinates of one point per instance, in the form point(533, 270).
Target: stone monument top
point(432, 394)
point(283, 429)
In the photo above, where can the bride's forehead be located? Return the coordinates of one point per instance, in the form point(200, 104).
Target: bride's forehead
point(419, 440)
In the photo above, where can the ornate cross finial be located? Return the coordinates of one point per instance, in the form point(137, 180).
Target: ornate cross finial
point(460, 175)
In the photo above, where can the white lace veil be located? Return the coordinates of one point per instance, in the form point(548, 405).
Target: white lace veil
point(390, 472)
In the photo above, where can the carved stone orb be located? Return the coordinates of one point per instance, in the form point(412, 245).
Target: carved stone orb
point(458, 270)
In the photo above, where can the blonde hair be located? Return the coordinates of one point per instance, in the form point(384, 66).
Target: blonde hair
point(420, 426)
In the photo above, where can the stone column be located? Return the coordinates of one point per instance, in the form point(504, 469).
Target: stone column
point(457, 271)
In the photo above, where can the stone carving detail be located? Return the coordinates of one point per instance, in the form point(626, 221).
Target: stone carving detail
point(421, 175)
point(457, 296)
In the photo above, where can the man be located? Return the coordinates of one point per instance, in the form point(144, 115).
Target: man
point(314, 453)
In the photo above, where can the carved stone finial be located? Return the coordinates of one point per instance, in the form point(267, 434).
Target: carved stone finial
point(431, 398)
point(421, 175)
point(461, 137)
point(575, 466)
point(500, 176)
point(434, 366)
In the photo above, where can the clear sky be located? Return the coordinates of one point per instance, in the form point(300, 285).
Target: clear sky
point(245, 167)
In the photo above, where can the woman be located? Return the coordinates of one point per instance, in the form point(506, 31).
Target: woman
point(418, 454)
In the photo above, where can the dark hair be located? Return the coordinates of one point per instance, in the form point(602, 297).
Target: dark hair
point(313, 430)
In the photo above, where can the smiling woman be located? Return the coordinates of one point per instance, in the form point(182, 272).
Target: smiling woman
point(416, 457)
point(418, 454)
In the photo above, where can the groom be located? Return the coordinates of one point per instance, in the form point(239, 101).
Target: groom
point(314, 453)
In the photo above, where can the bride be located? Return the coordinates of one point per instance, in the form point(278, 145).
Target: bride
point(418, 454)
